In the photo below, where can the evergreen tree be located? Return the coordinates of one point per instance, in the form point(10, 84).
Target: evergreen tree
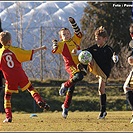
point(114, 16)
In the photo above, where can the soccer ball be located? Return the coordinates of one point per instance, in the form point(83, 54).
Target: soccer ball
point(85, 57)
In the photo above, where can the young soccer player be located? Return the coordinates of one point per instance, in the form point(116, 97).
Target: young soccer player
point(128, 85)
point(101, 64)
point(64, 47)
point(10, 63)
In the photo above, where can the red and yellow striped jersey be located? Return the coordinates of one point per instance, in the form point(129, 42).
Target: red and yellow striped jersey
point(65, 48)
point(10, 62)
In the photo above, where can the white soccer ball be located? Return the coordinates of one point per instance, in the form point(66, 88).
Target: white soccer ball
point(85, 57)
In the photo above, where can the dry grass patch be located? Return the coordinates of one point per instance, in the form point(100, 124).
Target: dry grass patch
point(76, 121)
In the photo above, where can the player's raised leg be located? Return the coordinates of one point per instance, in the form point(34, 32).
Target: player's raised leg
point(41, 103)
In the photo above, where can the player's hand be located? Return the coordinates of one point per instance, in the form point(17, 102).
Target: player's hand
point(43, 47)
point(74, 51)
point(40, 48)
point(55, 43)
point(115, 58)
point(71, 20)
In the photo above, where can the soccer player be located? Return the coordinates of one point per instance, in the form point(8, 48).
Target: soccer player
point(103, 59)
point(64, 47)
point(10, 63)
point(128, 85)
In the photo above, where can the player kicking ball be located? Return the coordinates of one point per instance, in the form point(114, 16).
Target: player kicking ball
point(100, 63)
point(10, 63)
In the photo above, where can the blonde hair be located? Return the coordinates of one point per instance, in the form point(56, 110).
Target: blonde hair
point(101, 32)
point(5, 37)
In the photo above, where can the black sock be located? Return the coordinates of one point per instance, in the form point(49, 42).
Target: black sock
point(129, 97)
point(103, 103)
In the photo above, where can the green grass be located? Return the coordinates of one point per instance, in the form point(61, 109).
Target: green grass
point(76, 121)
point(83, 111)
point(85, 97)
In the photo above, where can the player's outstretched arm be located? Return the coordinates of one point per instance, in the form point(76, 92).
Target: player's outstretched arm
point(74, 25)
point(40, 48)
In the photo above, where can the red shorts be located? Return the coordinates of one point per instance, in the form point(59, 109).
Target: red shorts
point(22, 82)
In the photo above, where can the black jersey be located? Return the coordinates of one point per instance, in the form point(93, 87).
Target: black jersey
point(103, 57)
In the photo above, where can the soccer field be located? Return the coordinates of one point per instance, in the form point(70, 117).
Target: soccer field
point(76, 121)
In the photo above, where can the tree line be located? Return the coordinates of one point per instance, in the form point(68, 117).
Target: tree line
point(116, 18)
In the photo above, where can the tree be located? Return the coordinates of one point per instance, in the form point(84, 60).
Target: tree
point(116, 18)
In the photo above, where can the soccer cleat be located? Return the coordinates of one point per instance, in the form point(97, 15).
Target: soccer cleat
point(81, 68)
point(64, 112)
point(102, 115)
point(46, 107)
point(43, 105)
point(7, 120)
point(131, 121)
point(62, 90)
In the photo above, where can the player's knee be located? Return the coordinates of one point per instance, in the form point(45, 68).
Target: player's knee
point(78, 77)
point(71, 89)
point(7, 96)
point(101, 91)
point(30, 88)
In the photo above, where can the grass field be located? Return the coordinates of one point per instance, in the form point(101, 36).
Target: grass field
point(76, 121)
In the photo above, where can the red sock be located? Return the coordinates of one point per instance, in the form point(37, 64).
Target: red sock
point(37, 97)
point(67, 100)
point(68, 83)
point(8, 112)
